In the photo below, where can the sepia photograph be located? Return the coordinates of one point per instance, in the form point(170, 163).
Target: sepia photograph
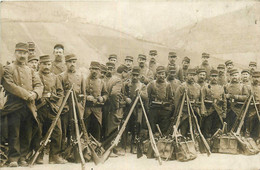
point(129, 85)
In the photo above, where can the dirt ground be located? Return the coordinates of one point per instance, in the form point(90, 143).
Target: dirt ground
point(130, 162)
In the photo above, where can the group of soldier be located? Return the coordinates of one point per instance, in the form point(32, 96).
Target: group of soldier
point(107, 92)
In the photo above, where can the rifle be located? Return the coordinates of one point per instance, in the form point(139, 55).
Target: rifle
point(190, 122)
point(159, 130)
point(50, 130)
point(77, 132)
point(180, 111)
point(198, 127)
point(150, 132)
point(116, 140)
point(256, 109)
point(89, 146)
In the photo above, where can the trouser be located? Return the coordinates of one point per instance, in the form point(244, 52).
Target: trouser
point(65, 117)
point(93, 127)
point(19, 134)
point(209, 123)
point(252, 126)
point(230, 119)
point(46, 117)
point(160, 116)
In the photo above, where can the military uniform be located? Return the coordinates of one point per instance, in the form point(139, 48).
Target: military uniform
point(222, 79)
point(58, 66)
point(202, 83)
point(152, 63)
point(93, 112)
point(182, 74)
point(160, 102)
point(146, 74)
point(20, 81)
point(228, 70)
point(205, 65)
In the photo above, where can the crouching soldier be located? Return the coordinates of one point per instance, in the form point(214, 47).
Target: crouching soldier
point(48, 107)
point(96, 95)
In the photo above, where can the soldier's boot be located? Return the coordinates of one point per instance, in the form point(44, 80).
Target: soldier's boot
point(56, 159)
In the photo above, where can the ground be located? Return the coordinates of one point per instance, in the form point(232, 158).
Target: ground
point(130, 162)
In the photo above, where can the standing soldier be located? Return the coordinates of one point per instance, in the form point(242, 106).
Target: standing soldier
point(58, 65)
point(129, 63)
point(160, 101)
point(216, 106)
point(182, 74)
point(252, 122)
point(245, 77)
point(96, 95)
point(113, 59)
point(235, 92)
point(172, 57)
point(152, 63)
point(205, 64)
point(202, 75)
point(111, 67)
point(146, 75)
point(23, 86)
point(229, 65)
point(222, 78)
point(252, 66)
point(103, 71)
point(47, 108)
point(72, 76)
point(33, 62)
point(31, 48)
point(193, 91)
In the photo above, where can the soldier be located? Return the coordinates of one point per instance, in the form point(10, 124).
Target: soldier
point(72, 76)
point(215, 104)
point(172, 57)
point(205, 64)
point(235, 92)
point(33, 62)
point(202, 75)
point(113, 59)
point(222, 79)
point(129, 63)
point(229, 64)
point(160, 101)
point(252, 66)
point(245, 77)
point(48, 107)
point(31, 48)
point(193, 91)
point(182, 74)
point(96, 95)
point(23, 86)
point(252, 122)
point(103, 71)
point(146, 75)
point(152, 63)
point(58, 65)
point(110, 70)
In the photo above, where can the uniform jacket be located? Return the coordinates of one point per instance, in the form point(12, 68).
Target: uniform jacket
point(58, 67)
point(222, 80)
point(182, 74)
point(147, 73)
point(174, 84)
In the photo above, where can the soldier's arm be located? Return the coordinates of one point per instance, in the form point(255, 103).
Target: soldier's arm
point(59, 92)
point(149, 91)
point(37, 84)
point(104, 92)
point(244, 94)
point(11, 87)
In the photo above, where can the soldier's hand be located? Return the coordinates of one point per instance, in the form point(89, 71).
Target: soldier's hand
point(90, 98)
point(32, 96)
point(128, 100)
point(224, 115)
point(100, 99)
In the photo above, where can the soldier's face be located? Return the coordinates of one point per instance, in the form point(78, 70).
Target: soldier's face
point(45, 67)
point(221, 70)
point(172, 74)
point(113, 60)
point(185, 64)
point(129, 63)
point(94, 72)
point(110, 70)
point(202, 76)
point(245, 76)
point(191, 78)
point(213, 79)
point(252, 67)
point(256, 80)
point(235, 77)
point(33, 64)
point(161, 76)
point(58, 53)
point(21, 56)
point(71, 65)
point(135, 78)
point(230, 66)
point(102, 74)
point(141, 62)
point(31, 52)
point(205, 60)
point(172, 59)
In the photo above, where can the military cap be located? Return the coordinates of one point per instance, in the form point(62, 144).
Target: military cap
point(213, 72)
point(32, 57)
point(131, 58)
point(187, 59)
point(70, 57)
point(160, 69)
point(21, 47)
point(59, 46)
point(110, 64)
point(103, 67)
point(172, 54)
point(191, 71)
point(205, 55)
point(122, 68)
point(94, 64)
point(221, 66)
point(136, 70)
point(45, 58)
point(252, 63)
point(142, 56)
point(233, 71)
point(200, 70)
point(228, 62)
point(153, 52)
point(245, 71)
point(31, 46)
point(112, 56)
point(256, 74)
